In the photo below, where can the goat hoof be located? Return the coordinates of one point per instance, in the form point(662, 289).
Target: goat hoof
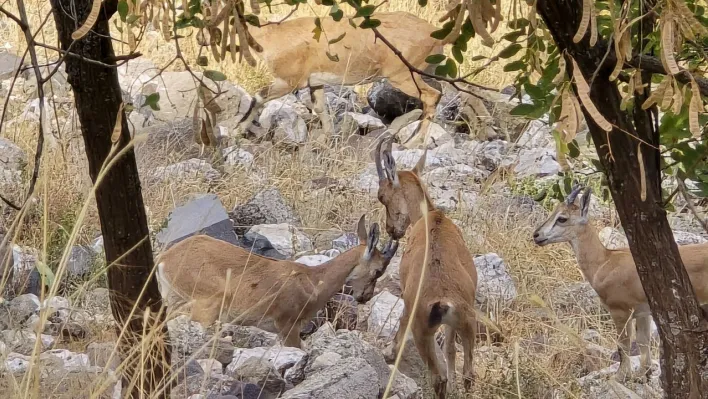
point(440, 387)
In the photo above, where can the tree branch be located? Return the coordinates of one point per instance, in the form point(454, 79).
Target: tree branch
point(454, 82)
point(13, 17)
point(9, 203)
point(40, 94)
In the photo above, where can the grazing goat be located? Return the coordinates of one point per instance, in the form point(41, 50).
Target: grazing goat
point(296, 60)
point(224, 282)
point(449, 276)
point(613, 274)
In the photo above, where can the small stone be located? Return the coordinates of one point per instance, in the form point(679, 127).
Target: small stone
point(313, 260)
point(386, 312)
point(284, 238)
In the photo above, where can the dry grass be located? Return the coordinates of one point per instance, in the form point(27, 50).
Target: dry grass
point(542, 351)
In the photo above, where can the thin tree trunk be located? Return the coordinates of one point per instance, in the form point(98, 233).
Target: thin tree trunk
point(684, 361)
point(133, 287)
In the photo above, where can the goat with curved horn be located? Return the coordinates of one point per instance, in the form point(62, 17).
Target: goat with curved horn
point(573, 194)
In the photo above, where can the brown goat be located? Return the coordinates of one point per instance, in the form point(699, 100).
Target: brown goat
point(613, 274)
point(296, 60)
point(448, 274)
point(228, 283)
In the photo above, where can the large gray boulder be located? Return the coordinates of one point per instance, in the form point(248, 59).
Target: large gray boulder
point(350, 378)
point(495, 287)
point(266, 207)
point(348, 345)
point(203, 215)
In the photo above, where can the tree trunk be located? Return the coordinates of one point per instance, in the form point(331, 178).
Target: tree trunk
point(684, 361)
point(133, 288)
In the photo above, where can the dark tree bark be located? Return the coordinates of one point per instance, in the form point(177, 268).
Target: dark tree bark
point(119, 200)
point(681, 324)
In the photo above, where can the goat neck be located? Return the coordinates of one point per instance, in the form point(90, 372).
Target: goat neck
point(592, 255)
point(330, 276)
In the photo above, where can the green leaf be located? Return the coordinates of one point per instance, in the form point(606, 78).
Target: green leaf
point(216, 76)
point(451, 68)
point(365, 11)
point(529, 110)
point(422, 3)
point(336, 13)
point(332, 57)
point(328, 2)
point(45, 272)
point(253, 20)
point(338, 38)
point(573, 149)
point(478, 58)
point(535, 92)
point(369, 23)
point(435, 58)
point(441, 70)
point(316, 33)
point(202, 60)
point(515, 66)
point(467, 28)
point(457, 53)
point(541, 195)
point(131, 19)
point(443, 32)
point(512, 36)
point(510, 51)
point(518, 23)
point(123, 10)
point(152, 101)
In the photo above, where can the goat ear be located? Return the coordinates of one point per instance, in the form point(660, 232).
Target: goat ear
point(372, 241)
point(418, 169)
point(361, 229)
point(585, 202)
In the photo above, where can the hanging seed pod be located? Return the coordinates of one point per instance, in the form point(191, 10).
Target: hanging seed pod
point(90, 21)
point(584, 94)
point(584, 21)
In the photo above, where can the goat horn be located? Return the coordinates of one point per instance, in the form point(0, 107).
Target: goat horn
point(377, 158)
point(573, 194)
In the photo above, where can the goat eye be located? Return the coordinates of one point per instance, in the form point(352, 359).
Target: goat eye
point(562, 219)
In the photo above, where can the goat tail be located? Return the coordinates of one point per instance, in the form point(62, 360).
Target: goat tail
point(438, 313)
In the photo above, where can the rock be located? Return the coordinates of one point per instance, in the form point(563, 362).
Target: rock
point(686, 238)
point(365, 123)
point(598, 385)
point(386, 311)
point(211, 366)
point(288, 362)
point(23, 307)
point(391, 279)
point(235, 156)
point(577, 298)
point(191, 169)
point(9, 63)
point(351, 378)
point(166, 143)
point(313, 260)
point(536, 135)
point(190, 340)
point(81, 261)
point(341, 309)
point(58, 305)
point(495, 287)
point(390, 102)
point(349, 345)
point(203, 215)
point(407, 159)
point(284, 238)
point(259, 371)
point(490, 154)
point(12, 157)
point(99, 355)
point(404, 387)
point(7, 261)
point(98, 301)
point(454, 176)
point(181, 88)
point(346, 241)
point(536, 162)
point(25, 276)
point(283, 118)
point(251, 337)
point(266, 207)
point(21, 341)
point(70, 360)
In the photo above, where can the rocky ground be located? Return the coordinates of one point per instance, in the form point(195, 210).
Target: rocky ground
point(289, 192)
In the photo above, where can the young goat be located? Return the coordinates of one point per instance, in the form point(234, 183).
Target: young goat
point(296, 60)
point(224, 282)
point(447, 294)
point(613, 274)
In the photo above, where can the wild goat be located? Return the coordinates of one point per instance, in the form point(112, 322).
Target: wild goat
point(449, 276)
point(613, 274)
point(296, 60)
point(224, 282)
